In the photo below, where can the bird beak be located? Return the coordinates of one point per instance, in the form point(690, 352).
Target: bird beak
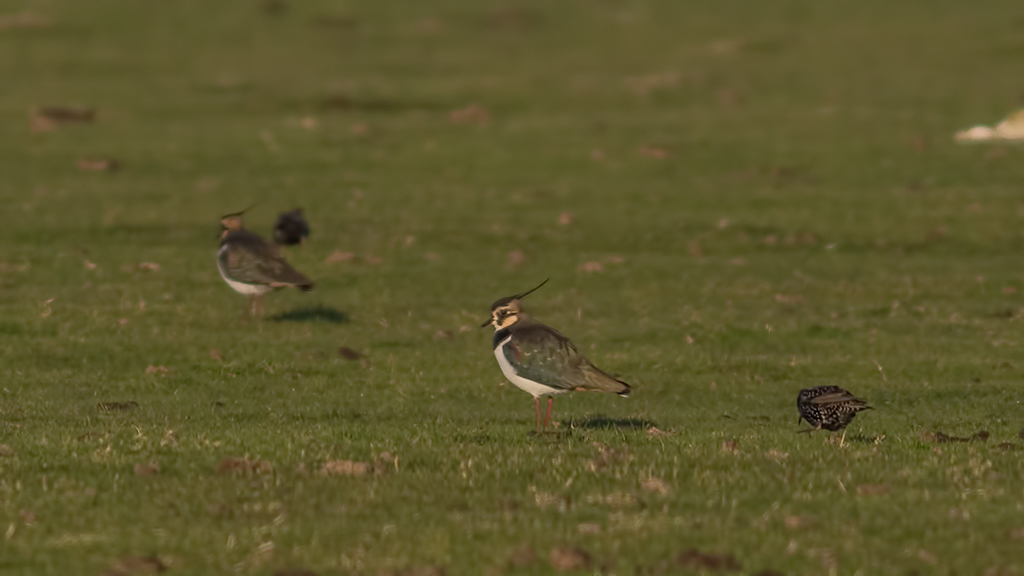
point(486, 324)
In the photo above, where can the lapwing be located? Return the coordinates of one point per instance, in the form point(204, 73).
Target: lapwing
point(829, 407)
point(540, 360)
point(252, 266)
point(291, 228)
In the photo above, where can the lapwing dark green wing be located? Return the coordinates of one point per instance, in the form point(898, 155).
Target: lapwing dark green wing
point(253, 267)
point(541, 361)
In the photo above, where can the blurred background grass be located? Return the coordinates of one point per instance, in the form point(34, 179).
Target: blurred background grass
point(733, 200)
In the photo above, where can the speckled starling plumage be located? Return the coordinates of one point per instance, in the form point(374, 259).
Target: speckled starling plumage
point(829, 407)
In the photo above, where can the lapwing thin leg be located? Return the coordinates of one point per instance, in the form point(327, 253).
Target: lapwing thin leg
point(252, 305)
point(536, 406)
point(843, 439)
point(547, 417)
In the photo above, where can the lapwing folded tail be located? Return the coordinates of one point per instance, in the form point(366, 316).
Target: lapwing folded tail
point(292, 277)
point(602, 381)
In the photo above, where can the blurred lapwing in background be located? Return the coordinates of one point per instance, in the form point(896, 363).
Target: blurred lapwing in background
point(252, 266)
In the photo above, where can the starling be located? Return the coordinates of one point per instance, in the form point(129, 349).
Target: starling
point(829, 407)
point(291, 228)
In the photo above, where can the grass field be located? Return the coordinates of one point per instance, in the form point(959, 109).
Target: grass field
point(733, 200)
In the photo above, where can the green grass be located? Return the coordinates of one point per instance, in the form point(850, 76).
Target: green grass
point(811, 222)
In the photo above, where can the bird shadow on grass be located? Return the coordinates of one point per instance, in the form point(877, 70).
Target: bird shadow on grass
point(834, 437)
point(312, 314)
point(606, 423)
point(347, 103)
point(554, 435)
point(861, 439)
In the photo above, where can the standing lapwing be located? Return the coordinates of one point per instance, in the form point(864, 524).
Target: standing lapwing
point(291, 228)
point(252, 266)
point(540, 360)
point(829, 407)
